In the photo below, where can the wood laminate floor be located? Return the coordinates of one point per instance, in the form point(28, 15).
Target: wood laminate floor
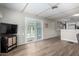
point(50, 47)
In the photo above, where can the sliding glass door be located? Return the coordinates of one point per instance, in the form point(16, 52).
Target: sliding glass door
point(39, 30)
point(33, 30)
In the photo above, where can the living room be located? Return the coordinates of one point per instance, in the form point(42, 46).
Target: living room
point(25, 27)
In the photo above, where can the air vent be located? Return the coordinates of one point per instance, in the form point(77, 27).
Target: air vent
point(54, 7)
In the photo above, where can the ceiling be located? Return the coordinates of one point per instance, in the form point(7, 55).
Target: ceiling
point(44, 10)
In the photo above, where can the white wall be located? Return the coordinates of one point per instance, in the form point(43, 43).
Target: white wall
point(14, 17)
point(51, 31)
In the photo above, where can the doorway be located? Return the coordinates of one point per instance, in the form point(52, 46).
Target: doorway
point(33, 31)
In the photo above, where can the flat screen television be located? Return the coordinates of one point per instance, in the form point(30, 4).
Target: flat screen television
point(8, 28)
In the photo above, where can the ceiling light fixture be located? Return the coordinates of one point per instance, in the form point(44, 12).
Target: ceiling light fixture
point(75, 15)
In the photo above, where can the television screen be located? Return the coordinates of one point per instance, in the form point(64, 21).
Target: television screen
point(8, 28)
point(3, 28)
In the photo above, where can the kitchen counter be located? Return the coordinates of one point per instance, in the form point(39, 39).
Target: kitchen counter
point(70, 35)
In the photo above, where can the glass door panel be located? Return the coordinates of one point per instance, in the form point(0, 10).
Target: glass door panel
point(39, 30)
point(33, 31)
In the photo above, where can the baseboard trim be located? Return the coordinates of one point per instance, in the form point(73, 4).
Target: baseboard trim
point(52, 37)
point(40, 40)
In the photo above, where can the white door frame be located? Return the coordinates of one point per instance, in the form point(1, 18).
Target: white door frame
point(26, 20)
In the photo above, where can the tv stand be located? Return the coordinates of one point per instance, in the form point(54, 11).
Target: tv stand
point(8, 42)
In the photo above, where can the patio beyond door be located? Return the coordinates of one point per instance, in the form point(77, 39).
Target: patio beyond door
point(33, 31)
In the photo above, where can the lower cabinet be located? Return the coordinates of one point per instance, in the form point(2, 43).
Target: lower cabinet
point(0, 44)
point(8, 42)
